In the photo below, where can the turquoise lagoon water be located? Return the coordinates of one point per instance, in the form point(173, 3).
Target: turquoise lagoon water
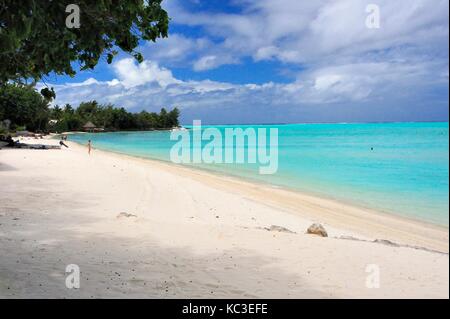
point(398, 168)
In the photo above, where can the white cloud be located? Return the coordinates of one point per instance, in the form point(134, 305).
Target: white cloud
point(266, 53)
point(147, 86)
point(399, 66)
point(177, 49)
point(212, 61)
point(131, 74)
point(325, 82)
point(206, 63)
point(309, 31)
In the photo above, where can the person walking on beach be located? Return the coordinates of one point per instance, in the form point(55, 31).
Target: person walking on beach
point(89, 147)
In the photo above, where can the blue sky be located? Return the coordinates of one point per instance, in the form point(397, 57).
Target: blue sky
point(283, 61)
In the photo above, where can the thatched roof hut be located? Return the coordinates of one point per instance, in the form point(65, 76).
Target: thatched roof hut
point(89, 127)
point(89, 124)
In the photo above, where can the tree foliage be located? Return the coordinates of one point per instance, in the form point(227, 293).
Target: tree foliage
point(111, 118)
point(25, 107)
point(35, 41)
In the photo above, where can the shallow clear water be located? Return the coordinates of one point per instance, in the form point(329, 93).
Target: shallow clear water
point(399, 168)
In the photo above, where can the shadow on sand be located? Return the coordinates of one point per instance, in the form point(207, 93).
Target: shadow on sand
point(35, 255)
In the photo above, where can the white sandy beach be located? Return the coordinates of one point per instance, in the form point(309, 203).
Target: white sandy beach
point(195, 235)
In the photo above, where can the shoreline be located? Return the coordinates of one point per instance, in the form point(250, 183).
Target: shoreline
point(287, 200)
point(145, 229)
point(253, 181)
point(310, 193)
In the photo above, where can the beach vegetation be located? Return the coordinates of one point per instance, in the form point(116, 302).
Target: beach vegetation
point(111, 118)
point(25, 108)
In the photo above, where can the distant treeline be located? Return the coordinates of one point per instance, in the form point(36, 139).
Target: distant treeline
point(24, 108)
point(110, 118)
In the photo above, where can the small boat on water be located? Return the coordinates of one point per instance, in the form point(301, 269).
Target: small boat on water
point(179, 128)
